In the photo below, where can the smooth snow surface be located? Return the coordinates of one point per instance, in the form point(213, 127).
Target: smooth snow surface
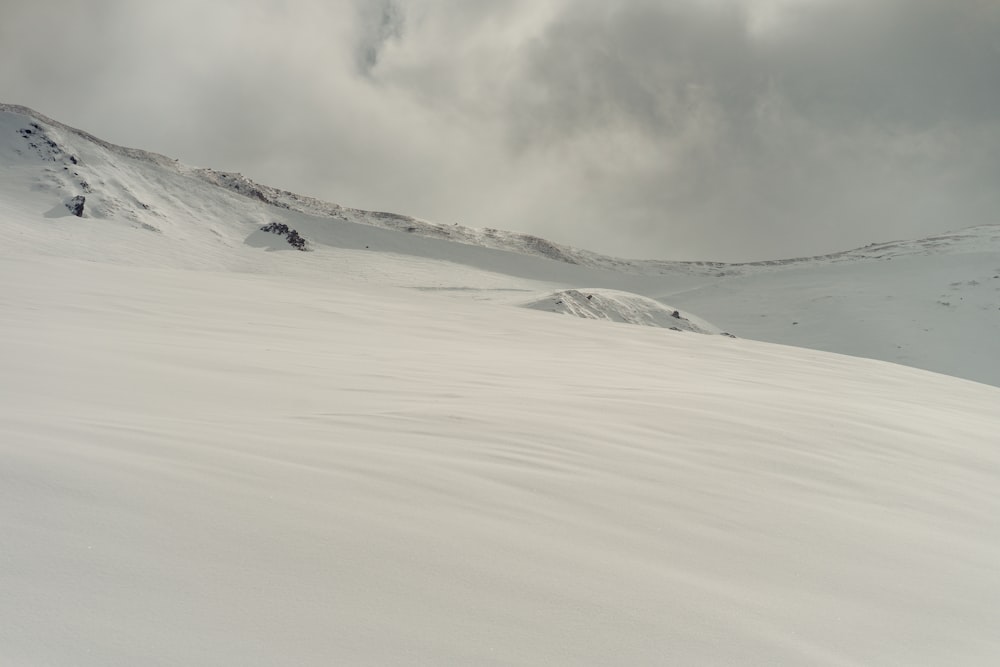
point(215, 449)
point(245, 469)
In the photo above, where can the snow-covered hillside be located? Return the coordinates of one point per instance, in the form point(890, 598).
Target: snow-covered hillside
point(217, 449)
point(931, 303)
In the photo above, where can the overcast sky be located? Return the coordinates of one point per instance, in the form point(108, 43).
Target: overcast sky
point(675, 129)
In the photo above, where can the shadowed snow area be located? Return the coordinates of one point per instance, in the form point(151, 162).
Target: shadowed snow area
point(215, 449)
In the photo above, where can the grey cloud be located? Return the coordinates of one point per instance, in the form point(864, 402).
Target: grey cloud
point(849, 123)
point(381, 21)
point(658, 128)
point(918, 62)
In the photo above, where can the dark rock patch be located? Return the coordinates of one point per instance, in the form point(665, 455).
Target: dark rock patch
point(281, 229)
point(75, 205)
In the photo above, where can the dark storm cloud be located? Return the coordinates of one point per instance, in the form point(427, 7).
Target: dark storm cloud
point(728, 129)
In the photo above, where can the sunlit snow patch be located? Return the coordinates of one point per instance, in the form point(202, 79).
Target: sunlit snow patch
point(621, 307)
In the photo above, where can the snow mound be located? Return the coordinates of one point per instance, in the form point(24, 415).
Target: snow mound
point(620, 307)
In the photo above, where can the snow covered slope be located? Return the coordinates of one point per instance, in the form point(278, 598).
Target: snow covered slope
point(217, 449)
point(932, 303)
point(228, 468)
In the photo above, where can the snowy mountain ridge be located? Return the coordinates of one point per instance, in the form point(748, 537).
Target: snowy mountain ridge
point(964, 240)
point(958, 241)
point(284, 199)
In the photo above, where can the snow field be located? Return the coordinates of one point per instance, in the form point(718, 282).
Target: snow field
point(215, 467)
